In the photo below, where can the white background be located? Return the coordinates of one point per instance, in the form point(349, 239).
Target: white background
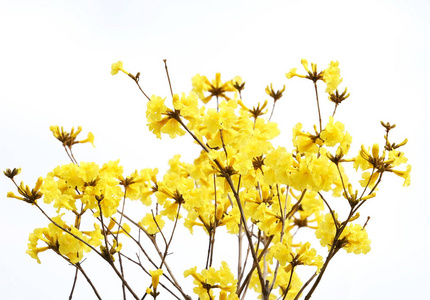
point(55, 69)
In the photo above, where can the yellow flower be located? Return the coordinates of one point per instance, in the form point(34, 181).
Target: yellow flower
point(29, 196)
point(118, 67)
point(69, 138)
point(210, 279)
point(33, 239)
point(308, 256)
point(71, 247)
point(356, 239)
point(151, 226)
point(306, 142)
point(89, 139)
point(216, 88)
point(331, 76)
point(187, 105)
point(156, 277)
point(353, 238)
point(369, 179)
point(406, 175)
point(162, 119)
point(333, 133)
point(313, 74)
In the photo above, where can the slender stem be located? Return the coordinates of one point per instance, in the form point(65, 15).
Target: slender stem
point(151, 238)
point(296, 206)
point(215, 223)
point(239, 261)
point(78, 266)
point(68, 154)
point(168, 77)
point(117, 235)
point(318, 105)
point(334, 111)
point(341, 177)
point(171, 237)
point(329, 208)
point(74, 159)
point(248, 235)
point(122, 274)
point(193, 135)
point(304, 286)
point(108, 258)
point(136, 79)
point(273, 109)
point(74, 284)
point(283, 219)
point(254, 266)
point(146, 272)
point(289, 283)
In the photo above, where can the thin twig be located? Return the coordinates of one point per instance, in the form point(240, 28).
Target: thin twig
point(318, 105)
point(168, 77)
point(304, 286)
point(74, 284)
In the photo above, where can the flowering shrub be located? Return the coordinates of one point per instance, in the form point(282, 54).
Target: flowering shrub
point(260, 193)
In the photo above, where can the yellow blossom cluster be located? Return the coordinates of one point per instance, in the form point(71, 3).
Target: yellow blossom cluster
point(240, 181)
point(62, 242)
point(86, 184)
point(353, 238)
point(211, 279)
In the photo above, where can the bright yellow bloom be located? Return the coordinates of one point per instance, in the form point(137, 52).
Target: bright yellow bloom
point(313, 74)
point(398, 157)
point(188, 106)
point(89, 139)
point(33, 239)
point(334, 133)
point(156, 277)
point(152, 226)
point(307, 256)
point(96, 236)
point(369, 179)
point(118, 67)
point(331, 77)
point(293, 73)
point(85, 182)
point(306, 142)
point(406, 175)
point(216, 88)
point(162, 119)
point(281, 252)
point(210, 279)
point(353, 238)
point(72, 247)
point(61, 242)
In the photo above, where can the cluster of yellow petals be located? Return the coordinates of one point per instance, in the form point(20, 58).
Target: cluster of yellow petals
point(237, 153)
point(211, 279)
point(60, 241)
point(353, 239)
point(69, 185)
